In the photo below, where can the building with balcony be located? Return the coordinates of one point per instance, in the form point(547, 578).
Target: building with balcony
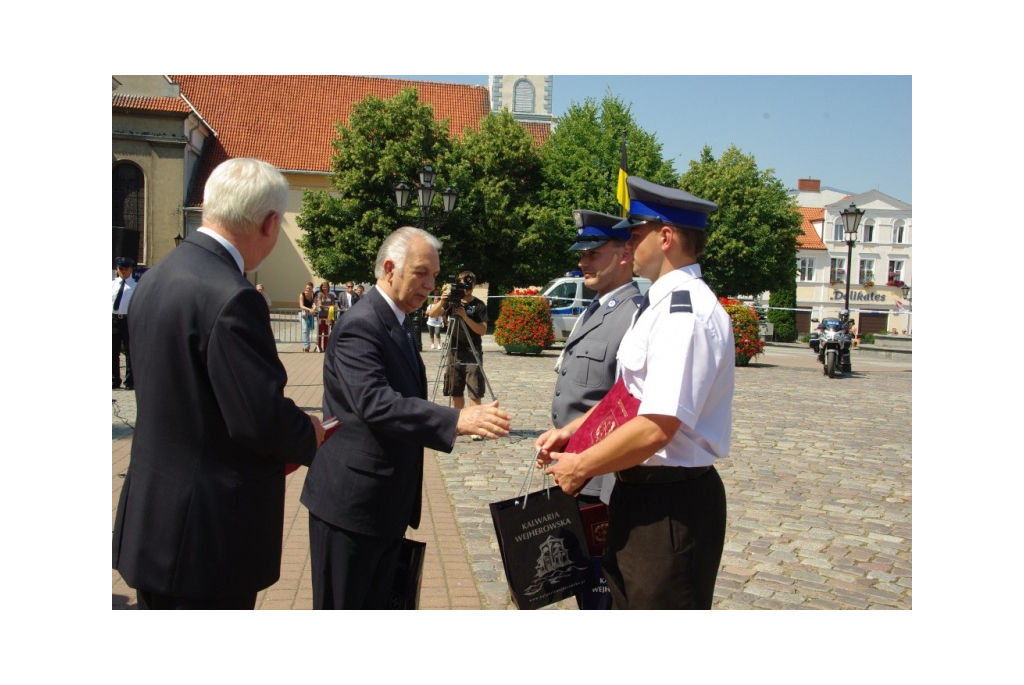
point(880, 266)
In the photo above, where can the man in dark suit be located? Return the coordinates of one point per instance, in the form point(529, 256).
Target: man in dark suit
point(364, 487)
point(200, 519)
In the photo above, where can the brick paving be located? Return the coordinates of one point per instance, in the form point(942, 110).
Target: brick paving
point(818, 486)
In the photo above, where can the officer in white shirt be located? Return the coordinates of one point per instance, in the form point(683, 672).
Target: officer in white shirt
point(121, 291)
point(666, 517)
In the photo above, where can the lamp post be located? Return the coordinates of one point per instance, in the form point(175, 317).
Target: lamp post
point(906, 296)
point(425, 196)
point(851, 221)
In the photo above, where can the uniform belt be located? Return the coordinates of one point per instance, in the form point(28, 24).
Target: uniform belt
point(120, 316)
point(645, 475)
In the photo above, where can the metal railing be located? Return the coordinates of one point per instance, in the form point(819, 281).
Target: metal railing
point(285, 324)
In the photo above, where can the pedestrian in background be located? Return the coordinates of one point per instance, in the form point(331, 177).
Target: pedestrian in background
point(434, 324)
point(122, 288)
point(307, 314)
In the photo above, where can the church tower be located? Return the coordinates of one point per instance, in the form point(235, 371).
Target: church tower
point(527, 97)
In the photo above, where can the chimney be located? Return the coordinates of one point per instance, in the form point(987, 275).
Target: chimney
point(809, 185)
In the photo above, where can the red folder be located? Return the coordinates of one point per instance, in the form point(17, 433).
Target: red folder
point(330, 425)
point(614, 409)
point(595, 525)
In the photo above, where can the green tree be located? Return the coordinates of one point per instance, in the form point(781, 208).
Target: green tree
point(385, 142)
point(497, 170)
point(752, 237)
point(782, 314)
point(581, 167)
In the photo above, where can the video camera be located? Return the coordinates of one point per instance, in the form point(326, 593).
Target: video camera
point(457, 290)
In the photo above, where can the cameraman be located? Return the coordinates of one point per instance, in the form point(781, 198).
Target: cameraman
point(462, 367)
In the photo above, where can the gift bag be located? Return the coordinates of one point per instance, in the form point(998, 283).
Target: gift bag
point(405, 590)
point(543, 547)
point(595, 594)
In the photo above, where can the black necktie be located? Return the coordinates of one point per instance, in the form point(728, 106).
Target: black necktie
point(120, 292)
point(594, 306)
point(407, 326)
point(643, 306)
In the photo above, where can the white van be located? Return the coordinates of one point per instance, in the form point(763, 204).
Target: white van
point(569, 298)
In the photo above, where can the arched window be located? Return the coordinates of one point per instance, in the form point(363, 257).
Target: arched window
point(129, 211)
point(898, 235)
point(869, 231)
point(524, 97)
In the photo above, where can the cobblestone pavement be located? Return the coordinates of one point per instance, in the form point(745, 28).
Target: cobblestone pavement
point(818, 486)
point(818, 483)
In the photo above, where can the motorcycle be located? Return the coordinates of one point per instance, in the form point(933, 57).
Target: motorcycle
point(832, 342)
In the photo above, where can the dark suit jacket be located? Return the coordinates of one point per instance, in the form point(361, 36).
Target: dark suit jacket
point(368, 476)
point(202, 507)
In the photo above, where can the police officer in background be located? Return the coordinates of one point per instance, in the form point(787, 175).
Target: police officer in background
point(586, 369)
point(666, 517)
point(121, 291)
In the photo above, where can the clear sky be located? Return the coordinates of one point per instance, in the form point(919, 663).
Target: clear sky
point(853, 133)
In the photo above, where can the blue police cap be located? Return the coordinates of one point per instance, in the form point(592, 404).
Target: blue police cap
point(652, 202)
point(594, 229)
point(124, 262)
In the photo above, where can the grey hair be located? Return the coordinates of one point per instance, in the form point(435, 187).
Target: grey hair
point(396, 246)
point(242, 192)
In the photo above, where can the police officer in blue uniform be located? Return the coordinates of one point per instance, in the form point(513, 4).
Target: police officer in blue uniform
point(666, 517)
point(587, 367)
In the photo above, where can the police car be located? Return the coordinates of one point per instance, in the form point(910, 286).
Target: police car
point(569, 298)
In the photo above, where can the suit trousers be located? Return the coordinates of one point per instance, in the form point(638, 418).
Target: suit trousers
point(665, 543)
point(350, 570)
point(121, 339)
point(155, 600)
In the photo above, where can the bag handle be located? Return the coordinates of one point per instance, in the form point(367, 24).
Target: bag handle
point(525, 488)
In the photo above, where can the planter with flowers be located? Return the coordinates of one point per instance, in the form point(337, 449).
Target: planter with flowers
point(524, 323)
point(745, 330)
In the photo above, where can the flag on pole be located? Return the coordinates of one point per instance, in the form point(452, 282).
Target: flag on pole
point(621, 194)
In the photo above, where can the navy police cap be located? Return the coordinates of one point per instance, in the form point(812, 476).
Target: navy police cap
point(124, 262)
point(652, 202)
point(594, 229)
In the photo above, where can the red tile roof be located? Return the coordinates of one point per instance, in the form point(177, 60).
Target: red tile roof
point(810, 240)
point(540, 132)
point(152, 104)
point(289, 120)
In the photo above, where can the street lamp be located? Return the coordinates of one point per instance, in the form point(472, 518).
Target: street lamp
point(851, 221)
point(425, 196)
point(906, 296)
point(177, 240)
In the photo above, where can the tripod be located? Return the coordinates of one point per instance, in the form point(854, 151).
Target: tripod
point(455, 329)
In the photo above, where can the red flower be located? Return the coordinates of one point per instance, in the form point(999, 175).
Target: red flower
point(524, 320)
